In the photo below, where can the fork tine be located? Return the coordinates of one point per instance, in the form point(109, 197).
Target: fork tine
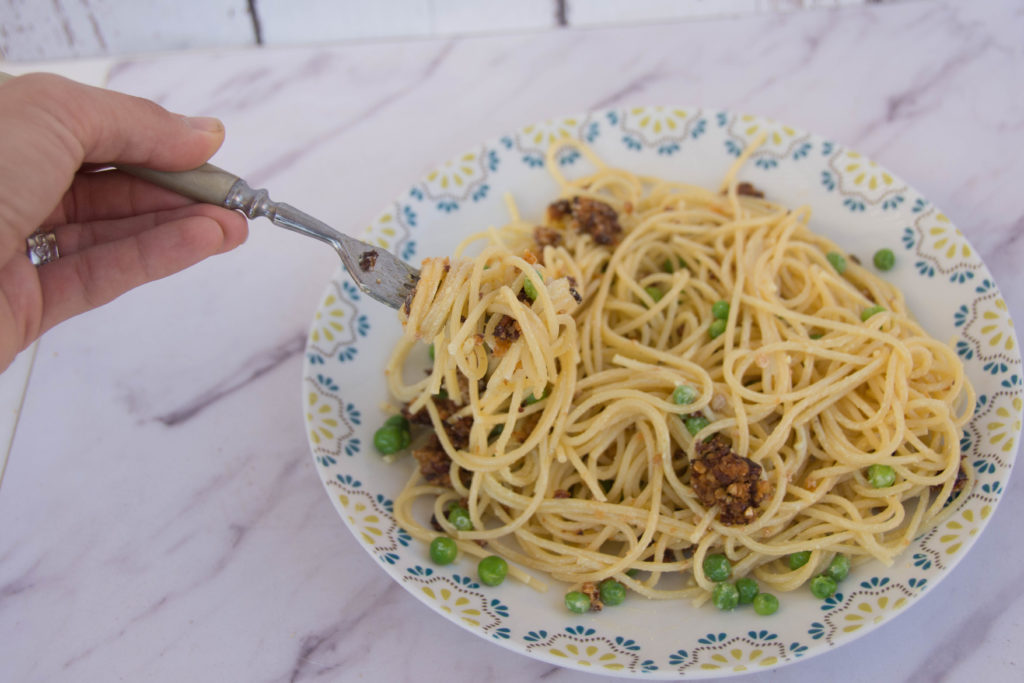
point(381, 274)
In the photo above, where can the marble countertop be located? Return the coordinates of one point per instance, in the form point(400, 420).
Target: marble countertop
point(161, 516)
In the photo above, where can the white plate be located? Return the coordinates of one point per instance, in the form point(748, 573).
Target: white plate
point(858, 204)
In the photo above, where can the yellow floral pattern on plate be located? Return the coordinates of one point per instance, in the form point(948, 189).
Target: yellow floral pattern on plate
point(462, 602)
point(541, 135)
point(333, 325)
point(992, 322)
point(738, 659)
point(325, 425)
point(531, 142)
point(939, 235)
point(941, 247)
point(988, 335)
point(373, 521)
point(457, 179)
point(945, 541)
point(387, 231)
point(781, 141)
point(872, 603)
point(583, 649)
point(862, 178)
point(653, 126)
point(1001, 430)
point(455, 603)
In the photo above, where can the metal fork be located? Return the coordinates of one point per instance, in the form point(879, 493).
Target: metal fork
point(379, 273)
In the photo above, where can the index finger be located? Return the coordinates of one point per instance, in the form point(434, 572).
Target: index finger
point(61, 124)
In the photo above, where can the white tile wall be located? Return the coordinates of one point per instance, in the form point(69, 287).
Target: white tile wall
point(58, 29)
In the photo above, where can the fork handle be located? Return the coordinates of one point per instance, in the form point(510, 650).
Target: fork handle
point(207, 183)
point(213, 185)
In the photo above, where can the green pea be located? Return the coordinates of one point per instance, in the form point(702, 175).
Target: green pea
point(612, 592)
point(443, 550)
point(683, 394)
point(492, 570)
point(389, 439)
point(633, 573)
point(823, 586)
point(881, 476)
point(717, 327)
point(459, 518)
point(799, 559)
point(816, 335)
point(402, 425)
point(577, 602)
point(884, 259)
point(430, 351)
point(720, 310)
point(531, 399)
point(748, 590)
point(529, 289)
point(766, 604)
point(654, 293)
point(837, 260)
point(868, 312)
point(717, 567)
point(725, 596)
point(838, 568)
point(397, 421)
point(695, 423)
point(669, 267)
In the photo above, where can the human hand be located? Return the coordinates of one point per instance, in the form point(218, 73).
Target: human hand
point(114, 232)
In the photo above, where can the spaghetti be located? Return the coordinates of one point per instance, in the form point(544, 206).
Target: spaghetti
point(662, 372)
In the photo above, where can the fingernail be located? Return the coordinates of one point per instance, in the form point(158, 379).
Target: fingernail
point(206, 124)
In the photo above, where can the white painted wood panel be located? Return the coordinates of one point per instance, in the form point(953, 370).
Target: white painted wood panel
point(588, 12)
point(470, 16)
point(592, 12)
point(319, 21)
point(288, 22)
point(59, 29)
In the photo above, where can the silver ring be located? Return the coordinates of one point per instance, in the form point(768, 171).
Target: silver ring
point(42, 248)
